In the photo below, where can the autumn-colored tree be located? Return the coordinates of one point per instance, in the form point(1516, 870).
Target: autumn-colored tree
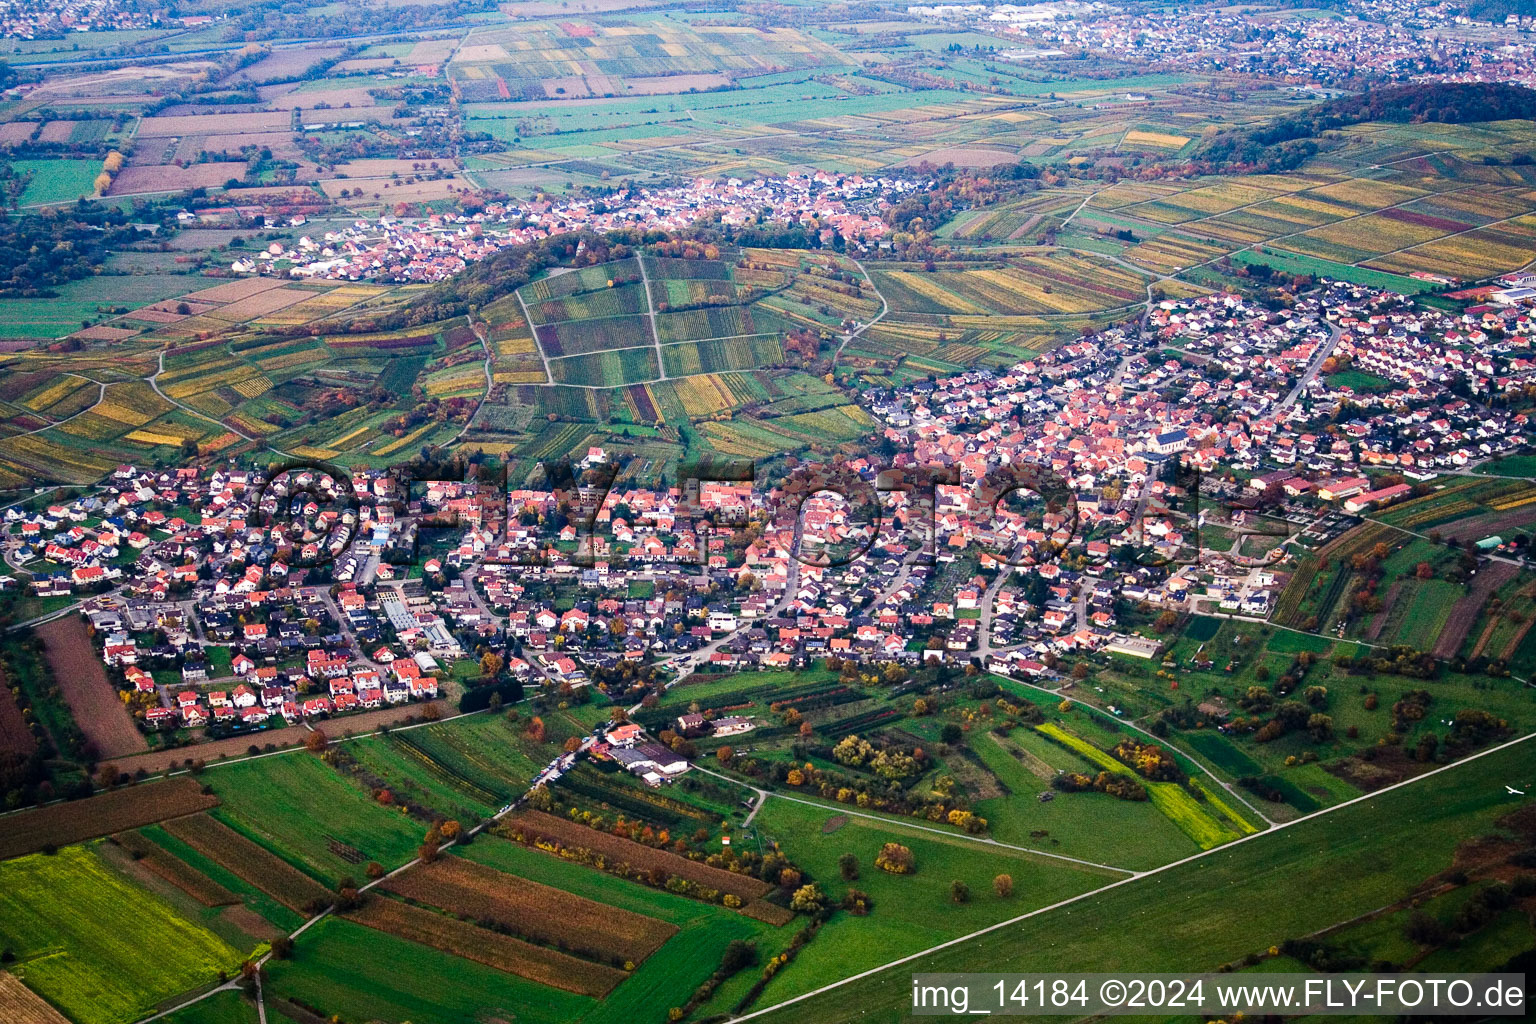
point(807, 899)
point(1003, 886)
point(535, 730)
point(1424, 571)
point(724, 755)
point(896, 859)
point(316, 742)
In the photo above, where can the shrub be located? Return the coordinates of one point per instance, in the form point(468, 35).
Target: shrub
point(896, 859)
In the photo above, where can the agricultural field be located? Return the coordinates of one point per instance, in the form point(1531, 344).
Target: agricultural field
point(79, 934)
point(1063, 283)
point(658, 353)
point(1092, 826)
point(363, 973)
point(249, 861)
point(129, 807)
point(91, 696)
point(1200, 918)
point(541, 913)
point(299, 807)
point(911, 911)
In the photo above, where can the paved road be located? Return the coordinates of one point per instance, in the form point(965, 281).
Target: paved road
point(885, 307)
point(1324, 350)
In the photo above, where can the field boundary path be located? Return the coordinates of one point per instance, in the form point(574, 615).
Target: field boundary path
point(767, 794)
point(490, 355)
point(154, 382)
point(885, 307)
point(650, 316)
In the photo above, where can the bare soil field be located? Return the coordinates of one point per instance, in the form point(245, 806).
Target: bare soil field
point(391, 192)
point(536, 825)
point(20, 1005)
point(151, 857)
point(74, 821)
point(534, 911)
point(250, 861)
point(234, 291)
point(136, 179)
point(82, 679)
point(299, 192)
point(504, 953)
point(169, 305)
point(15, 737)
point(285, 63)
point(966, 156)
point(157, 316)
point(57, 131)
point(215, 124)
point(366, 64)
point(675, 83)
point(480, 52)
point(356, 96)
point(16, 131)
point(1466, 610)
point(382, 168)
point(253, 306)
point(337, 115)
point(281, 144)
point(430, 51)
point(551, 8)
point(104, 333)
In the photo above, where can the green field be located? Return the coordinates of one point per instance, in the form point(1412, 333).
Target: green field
point(1294, 263)
point(1092, 826)
point(472, 766)
point(1198, 915)
point(910, 911)
point(293, 803)
point(99, 948)
point(223, 1008)
point(362, 974)
point(1359, 380)
point(57, 181)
